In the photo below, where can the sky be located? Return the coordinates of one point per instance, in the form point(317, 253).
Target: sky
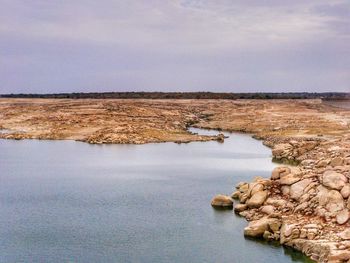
point(174, 45)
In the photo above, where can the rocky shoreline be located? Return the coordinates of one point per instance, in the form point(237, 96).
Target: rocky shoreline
point(304, 206)
point(307, 206)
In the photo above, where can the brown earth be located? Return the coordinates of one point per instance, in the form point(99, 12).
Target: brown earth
point(144, 121)
point(306, 206)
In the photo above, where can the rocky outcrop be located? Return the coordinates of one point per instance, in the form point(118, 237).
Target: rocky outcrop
point(222, 201)
point(257, 199)
point(306, 207)
point(334, 180)
point(268, 227)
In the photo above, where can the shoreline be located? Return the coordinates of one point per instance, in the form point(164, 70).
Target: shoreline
point(281, 208)
point(306, 208)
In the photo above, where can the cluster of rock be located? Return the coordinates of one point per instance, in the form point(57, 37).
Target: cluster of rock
point(307, 206)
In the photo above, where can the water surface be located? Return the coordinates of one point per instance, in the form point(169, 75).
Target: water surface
point(345, 104)
point(66, 201)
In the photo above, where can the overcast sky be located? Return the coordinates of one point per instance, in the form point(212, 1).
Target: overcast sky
point(175, 45)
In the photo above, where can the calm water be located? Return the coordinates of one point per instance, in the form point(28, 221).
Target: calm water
point(65, 201)
point(345, 104)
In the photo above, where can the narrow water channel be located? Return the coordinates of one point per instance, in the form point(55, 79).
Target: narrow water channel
point(66, 201)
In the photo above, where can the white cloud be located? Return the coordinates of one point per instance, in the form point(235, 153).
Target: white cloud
point(166, 31)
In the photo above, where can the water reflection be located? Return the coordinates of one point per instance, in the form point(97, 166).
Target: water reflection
point(67, 201)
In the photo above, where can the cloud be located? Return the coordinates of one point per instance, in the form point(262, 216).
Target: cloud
point(60, 46)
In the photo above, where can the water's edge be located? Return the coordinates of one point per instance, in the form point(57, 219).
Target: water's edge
point(226, 133)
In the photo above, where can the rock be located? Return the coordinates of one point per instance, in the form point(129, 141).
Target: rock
point(334, 180)
point(267, 235)
point(301, 207)
point(311, 226)
point(220, 137)
point(243, 198)
point(274, 225)
point(257, 228)
point(222, 201)
point(297, 189)
point(235, 194)
point(244, 188)
point(240, 208)
point(286, 231)
point(276, 202)
point(309, 145)
point(337, 161)
point(345, 191)
point(267, 209)
point(343, 216)
point(304, 198)
point(322, 163)
point(311, 234)
point(303, 233)
point(295, 233)
point(289, 179)
point(345, 235)
point(240, 184)
point(320, 211)
point(285, 189)
point(322, 195)
point(339, 256)
point(347, 161)
point(278, 171)
point(254, 188)
point(257, 199)
point(335, 201)
point(280, 149)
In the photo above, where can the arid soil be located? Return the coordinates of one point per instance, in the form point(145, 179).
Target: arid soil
point(305, 206)
point(99, 121)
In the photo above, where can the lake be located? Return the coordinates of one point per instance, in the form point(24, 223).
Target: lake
point(345, 104)
point(67, 201)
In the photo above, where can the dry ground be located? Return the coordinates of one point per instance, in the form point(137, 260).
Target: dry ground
point(143, 121)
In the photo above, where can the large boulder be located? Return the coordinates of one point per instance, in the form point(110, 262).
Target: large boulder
point(339, 256)
point(235, 194)
point(343, 216)
point(345, 234)
point(334, 180)
point(222, 201)
point(297, 189)
point(332, 200)
point(279, 172)
point(281, 150)
point(257, 199)
point(257, 228)
point(242, 187)
point(336, 161)
point(267, 209)
point(335, 201)
point(345, 191)
point(254, 188)
point(286, 232)
point(290, 179)
point(240, 208)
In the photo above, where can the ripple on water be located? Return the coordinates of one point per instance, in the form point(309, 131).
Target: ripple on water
point(71, 201)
